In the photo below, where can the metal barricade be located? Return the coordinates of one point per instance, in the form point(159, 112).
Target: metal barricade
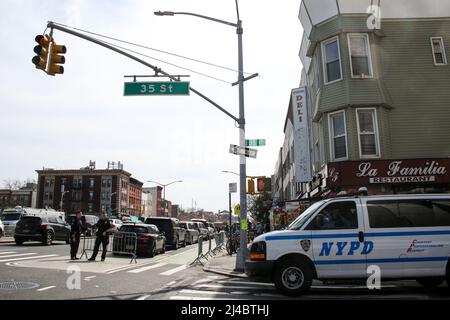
point(88, 244)
point(200, 254)
point(125, 243)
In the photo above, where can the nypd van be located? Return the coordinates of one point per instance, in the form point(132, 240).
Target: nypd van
point(405, 236)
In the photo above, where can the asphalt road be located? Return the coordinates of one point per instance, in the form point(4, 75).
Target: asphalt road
point(52, 276)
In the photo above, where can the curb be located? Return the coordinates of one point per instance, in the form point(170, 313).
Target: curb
point(225, 273)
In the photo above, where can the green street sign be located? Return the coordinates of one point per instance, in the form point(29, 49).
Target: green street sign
point(157, 88)
point(255, 143)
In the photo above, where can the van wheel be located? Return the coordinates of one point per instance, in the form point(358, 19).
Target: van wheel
point(175, 246)
point(292, 277)
point(183, 245)
point(48, 238)
point(430, 282)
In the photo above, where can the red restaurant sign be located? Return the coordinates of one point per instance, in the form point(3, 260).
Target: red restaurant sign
point(361, 173)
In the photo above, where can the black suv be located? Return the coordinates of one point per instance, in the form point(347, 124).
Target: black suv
point(175, 235)
point(43, 229)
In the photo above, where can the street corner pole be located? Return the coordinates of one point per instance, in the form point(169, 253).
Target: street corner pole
point(242, 254)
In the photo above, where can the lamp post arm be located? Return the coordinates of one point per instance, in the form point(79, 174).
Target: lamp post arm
point(198, 16)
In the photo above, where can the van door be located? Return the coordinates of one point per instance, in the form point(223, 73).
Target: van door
point(337, 240)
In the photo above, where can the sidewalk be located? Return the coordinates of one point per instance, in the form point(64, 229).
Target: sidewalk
point(7, 240)
point(224, 265)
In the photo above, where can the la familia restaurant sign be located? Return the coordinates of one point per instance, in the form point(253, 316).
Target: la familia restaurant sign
point(359, 173)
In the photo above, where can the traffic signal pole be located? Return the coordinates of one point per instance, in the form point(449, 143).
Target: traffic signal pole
point(157, 70)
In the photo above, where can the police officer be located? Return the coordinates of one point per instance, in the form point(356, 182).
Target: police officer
point(103, 227)
point(76, 227)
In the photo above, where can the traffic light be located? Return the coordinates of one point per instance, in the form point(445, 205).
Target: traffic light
point(251, 186)
point(56, 59)
point(264, 184)
point(42, 50)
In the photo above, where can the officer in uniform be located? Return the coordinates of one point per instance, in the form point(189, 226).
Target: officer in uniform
point(103, 227)
point(76, 227)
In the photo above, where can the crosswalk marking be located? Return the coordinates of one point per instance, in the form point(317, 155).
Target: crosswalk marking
point(18, 255)
point(46, 288)
point(196, 298)
point(215, 286)
point(29, 258)
point(248, 282)
point(8, 252)
point(175, 270)
point(148, 268)
point(191, 291)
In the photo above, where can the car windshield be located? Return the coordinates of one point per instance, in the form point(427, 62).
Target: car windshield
point(300, 221)
point(10, 216)
point(134, 229)
point(183, 225)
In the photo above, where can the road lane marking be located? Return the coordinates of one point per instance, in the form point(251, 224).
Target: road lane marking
point(171, 283)
point(147, 268)
point(18, 255)
point(89, 278)
point(29, 258)
point(8, 252)
point(174, 270)
point(143, 297)
point(46, 288)
point(190, 291)
point(201, 281)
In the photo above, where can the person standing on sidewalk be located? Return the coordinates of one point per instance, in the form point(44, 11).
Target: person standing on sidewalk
point(103, 227)
point(76, 227)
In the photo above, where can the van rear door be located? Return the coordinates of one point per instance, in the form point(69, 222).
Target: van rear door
point(337, 240)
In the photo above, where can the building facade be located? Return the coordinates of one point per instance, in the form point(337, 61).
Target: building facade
point(24, 197)
point(135, 197)
point(155, 194)
point(376, 76)
point(147, 203)
point(89, 190)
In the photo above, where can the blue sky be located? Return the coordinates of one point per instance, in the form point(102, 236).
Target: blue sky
point(65, 121)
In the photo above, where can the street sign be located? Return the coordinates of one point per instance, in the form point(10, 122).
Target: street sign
point(233, 187)
point(156, 88)
point(249, 153)
point(255, 143)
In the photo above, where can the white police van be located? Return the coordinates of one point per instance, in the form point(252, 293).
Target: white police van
point(406, 236)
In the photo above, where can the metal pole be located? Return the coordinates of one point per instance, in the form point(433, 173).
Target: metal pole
point(164, 197)
point(242, 254)
point(229, 206)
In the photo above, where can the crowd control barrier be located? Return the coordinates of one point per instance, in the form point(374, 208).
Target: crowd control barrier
point(88, 244)
point(219, 240)
point(125, 243)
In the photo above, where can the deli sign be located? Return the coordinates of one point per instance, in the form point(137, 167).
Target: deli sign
point(360, 173)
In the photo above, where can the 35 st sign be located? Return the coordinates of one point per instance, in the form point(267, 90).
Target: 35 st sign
point(156, 88)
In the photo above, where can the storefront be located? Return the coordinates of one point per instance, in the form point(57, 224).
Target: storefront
point(390, 176)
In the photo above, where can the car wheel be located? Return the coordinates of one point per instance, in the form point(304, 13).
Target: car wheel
point(163, 250)
point(292, 277)
point(183, 244)
point(192, 240)
point(430, 282)
point(18, 241)
point(175, 246)
point(48, 238)
point(152, 251)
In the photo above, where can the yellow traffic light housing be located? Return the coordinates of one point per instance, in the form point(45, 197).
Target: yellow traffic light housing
point(56, 59)
point(251, 186)
point(42, 50)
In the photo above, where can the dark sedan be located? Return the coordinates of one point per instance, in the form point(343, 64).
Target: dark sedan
point(149, 240)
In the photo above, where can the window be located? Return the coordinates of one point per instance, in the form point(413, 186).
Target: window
point(367, 133)
point(331, 60)
point(336, 216)
point(77, 183)
point(91, 196)
point(76, 196)
point(437, 45)
point(360, 60)
point(91, 182)
point(409, 213)
point(90, 207)
point(338, 133)
point(48, 196)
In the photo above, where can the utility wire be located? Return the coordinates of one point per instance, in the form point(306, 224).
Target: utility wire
point(153, 49)
point(166, 62)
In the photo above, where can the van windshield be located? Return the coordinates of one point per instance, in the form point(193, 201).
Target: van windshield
point(301, 220)
point(11, 216)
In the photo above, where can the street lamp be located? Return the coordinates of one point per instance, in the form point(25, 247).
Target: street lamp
point(242, 161)
point(110, 201)
point(63, 193)
point(164, 186)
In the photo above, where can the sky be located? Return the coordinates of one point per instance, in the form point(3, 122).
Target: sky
point(64, 122)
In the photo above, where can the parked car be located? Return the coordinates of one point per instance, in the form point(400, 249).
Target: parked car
point(150, 240)
point(175, 235)
point(2, 229)
point(192, 232)
point(45, 229)
point(203, 232)
point(89, 223)
point(210, 230)
point(116, 223)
